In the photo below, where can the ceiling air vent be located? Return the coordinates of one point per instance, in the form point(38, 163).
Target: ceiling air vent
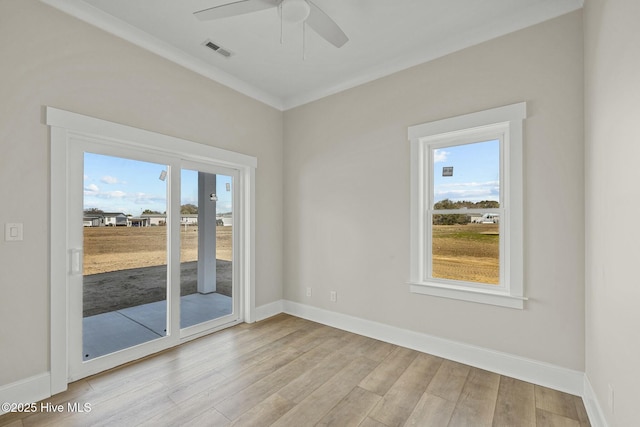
point(222, 51)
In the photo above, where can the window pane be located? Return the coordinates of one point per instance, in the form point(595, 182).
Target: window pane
point(464, 250)
point(467, 176)
point(125, 253)
point(206, 248)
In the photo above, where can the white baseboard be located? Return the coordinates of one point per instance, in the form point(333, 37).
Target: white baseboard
point(268, 310)
point(533, 371)
point(28, 390)
point(592, 405)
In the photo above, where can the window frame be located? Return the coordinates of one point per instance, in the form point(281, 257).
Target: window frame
point(505, 123)
point(67, 129)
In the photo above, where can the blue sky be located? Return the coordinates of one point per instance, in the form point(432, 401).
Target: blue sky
point(114, 184)
point(476, 172)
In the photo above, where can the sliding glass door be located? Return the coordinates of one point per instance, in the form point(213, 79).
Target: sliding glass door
point(152, 247)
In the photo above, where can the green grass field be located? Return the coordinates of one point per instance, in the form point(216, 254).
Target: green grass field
point(468, 252)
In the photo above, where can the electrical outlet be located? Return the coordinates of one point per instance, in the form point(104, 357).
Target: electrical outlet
point(611, 398)
point(333, 296)
point(308, 292)
point(13, 232)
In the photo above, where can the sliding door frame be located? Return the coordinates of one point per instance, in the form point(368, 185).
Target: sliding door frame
point(66, 128)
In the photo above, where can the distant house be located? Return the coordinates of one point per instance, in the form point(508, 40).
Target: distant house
point(225, 219)
point(475, 217)
point(115, 219)
point(154, 219)
point(137, 222)
point(490, 218)
point(189, 219)
point(92, 221)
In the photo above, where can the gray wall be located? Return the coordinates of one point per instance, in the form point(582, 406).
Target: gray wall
point(49, 58)
point(612, 70)
point(347, 193)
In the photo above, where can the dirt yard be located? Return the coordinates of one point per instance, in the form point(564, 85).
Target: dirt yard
point(467, 252)
point(126, 266)
point(119, 248)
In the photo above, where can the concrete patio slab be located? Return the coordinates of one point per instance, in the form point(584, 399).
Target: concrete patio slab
point(198, 308)
point(153, 316)
point(109, 332)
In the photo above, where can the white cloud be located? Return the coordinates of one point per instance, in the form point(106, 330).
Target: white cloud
point(440, 156)
point(224, 206)
point(121, 201)
point(470, 191)
point(91, 189)
point(470, 184)
point(109, 179)
point(110, 194)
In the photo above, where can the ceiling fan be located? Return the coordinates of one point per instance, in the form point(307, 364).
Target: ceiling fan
point(290, 10)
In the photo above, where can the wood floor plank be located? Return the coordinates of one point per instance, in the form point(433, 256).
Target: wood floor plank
point(431, 410)
point(210, 417)
point(184, 390)
point(449, 380)
point(192, 409)
point(399, 402)
point(516, 404)
point(265, 413)
point(351, 410)
point(549, 419)
point(245, 399)
point(556, 402)
point(370, 422)
point(315, 336)
point(477, 401)
point(130, 408)
point(583, 417)
point(387, 373)
point(322, 400)
point(230, 386)
point(174, 415)
point(261, 349)
point(301, 387)
point(378, 350)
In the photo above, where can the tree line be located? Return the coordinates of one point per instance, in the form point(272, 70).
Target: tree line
point(452, 219)
point(184, 209)
point(189, 208)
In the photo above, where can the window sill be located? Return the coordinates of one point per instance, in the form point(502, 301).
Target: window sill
point(473, 295)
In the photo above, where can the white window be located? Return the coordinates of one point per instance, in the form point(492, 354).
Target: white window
point(466, 207)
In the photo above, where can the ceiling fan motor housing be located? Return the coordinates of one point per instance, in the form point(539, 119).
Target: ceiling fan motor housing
point(294, 11)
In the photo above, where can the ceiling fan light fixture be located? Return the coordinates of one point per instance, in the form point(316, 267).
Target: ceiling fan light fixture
point(294, 11)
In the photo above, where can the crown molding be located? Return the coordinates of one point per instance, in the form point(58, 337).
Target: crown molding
point(461, 41)
point(94, 16)
point(91, 15)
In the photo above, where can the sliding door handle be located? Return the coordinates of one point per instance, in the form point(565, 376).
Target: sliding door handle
point(76, 262)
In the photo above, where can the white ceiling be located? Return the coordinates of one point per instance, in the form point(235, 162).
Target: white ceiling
point(385, 36)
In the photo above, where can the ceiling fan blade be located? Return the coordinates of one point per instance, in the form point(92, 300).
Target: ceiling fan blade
point(326, 27)
point(233, 9)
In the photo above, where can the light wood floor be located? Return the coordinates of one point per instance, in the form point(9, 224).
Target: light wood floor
point(287, 371)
